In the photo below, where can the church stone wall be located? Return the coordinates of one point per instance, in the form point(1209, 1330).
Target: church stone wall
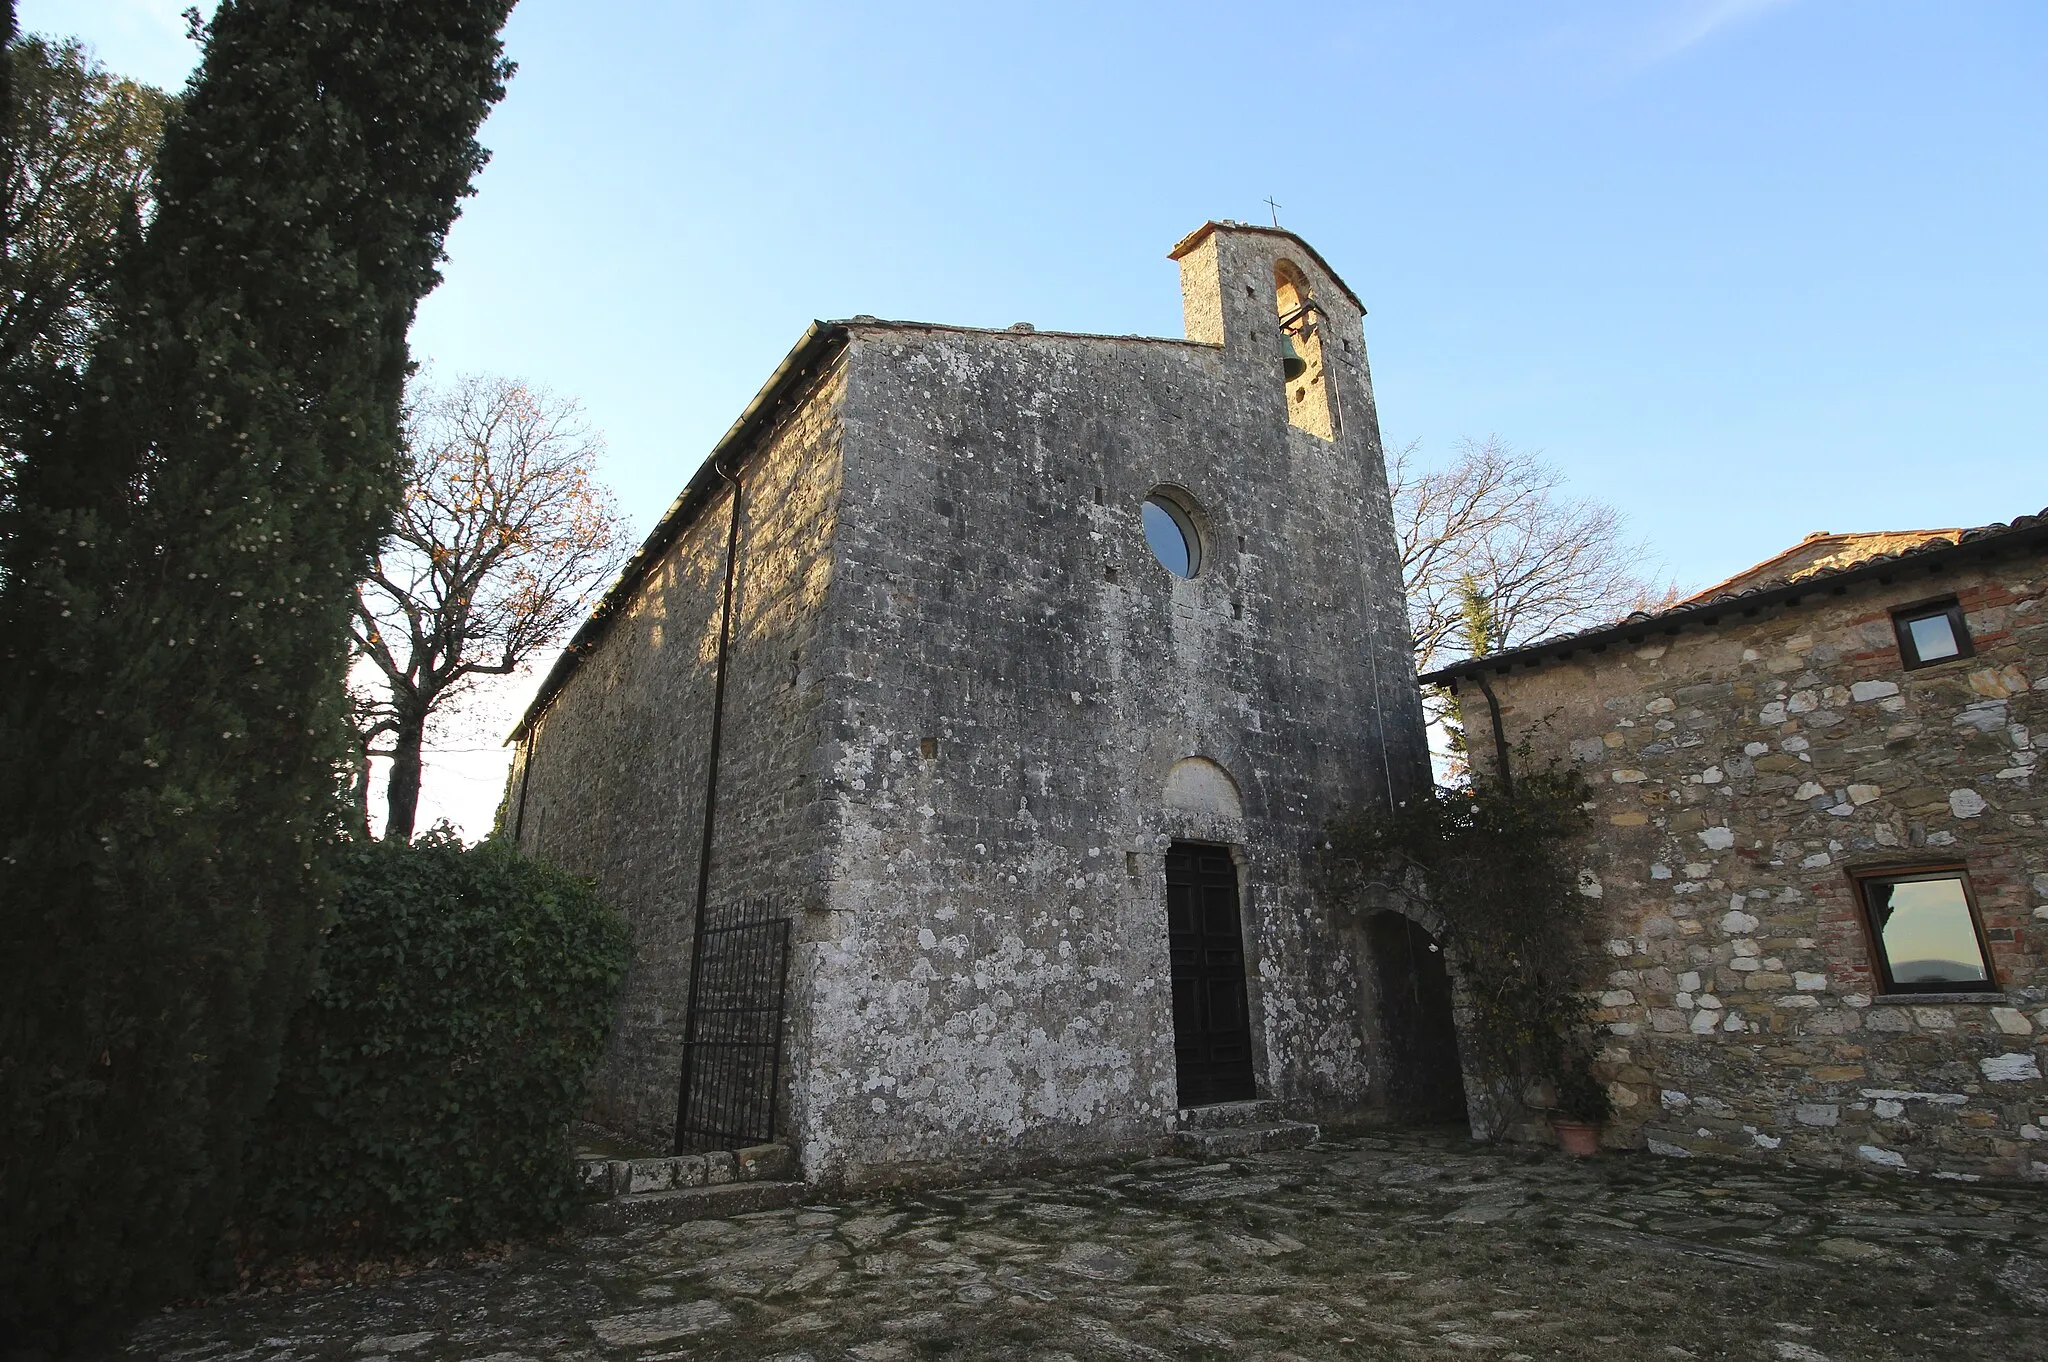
point(959, 690)
point(1742, 771)
point(1015, 677)
point(611, 783)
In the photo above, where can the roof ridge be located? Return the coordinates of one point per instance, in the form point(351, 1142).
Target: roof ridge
point(1709, 609)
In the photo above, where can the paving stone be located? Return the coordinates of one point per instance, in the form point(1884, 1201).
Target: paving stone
point(1374, 1245)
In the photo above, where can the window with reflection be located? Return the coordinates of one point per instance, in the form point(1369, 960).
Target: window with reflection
point(1171, 534)
point(1931, 633)
point(1925, 932)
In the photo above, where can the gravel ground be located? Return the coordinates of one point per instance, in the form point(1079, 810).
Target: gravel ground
point(1371, 1245)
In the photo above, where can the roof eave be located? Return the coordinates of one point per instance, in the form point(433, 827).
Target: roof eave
point(820, 342)
point(2030, 532)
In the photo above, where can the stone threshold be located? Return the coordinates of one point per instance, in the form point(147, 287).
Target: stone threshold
point(608, 1179)
point(710, 1202)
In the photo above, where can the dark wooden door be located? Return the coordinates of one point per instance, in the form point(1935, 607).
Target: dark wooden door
point(1212, 1035)
point(1418, 1029)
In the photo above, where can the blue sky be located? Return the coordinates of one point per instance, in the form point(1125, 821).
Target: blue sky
point(1743, 268)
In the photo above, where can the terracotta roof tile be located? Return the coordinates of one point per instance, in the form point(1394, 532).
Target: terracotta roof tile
point(1796, 576)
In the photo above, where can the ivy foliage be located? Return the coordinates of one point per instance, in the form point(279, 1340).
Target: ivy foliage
point(427, 1085)
point(1493, 868)
point(187, 521)
point(78, 142)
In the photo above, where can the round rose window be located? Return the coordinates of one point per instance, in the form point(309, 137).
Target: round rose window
point(1170, 531)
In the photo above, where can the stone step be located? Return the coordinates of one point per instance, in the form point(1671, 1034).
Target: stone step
point(599, 1178)
point(712, 1202)
point(1229, 1142)
point(1222, 1114)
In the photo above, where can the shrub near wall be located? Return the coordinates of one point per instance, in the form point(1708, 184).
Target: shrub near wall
point(464, 998)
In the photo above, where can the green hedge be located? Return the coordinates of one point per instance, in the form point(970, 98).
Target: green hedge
point(427, 1085)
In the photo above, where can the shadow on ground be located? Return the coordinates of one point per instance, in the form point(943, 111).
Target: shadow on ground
point(1408, 1245)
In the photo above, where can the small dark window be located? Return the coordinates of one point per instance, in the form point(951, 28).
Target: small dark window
point(1925, 933)
point(1932, 633)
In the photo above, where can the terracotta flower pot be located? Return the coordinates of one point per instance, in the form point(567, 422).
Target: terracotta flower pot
point(1580, 1138)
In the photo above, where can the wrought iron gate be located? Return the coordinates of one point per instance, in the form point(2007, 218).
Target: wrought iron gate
point(732, 1035)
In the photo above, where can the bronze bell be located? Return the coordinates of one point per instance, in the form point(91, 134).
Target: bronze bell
point(1292, 365)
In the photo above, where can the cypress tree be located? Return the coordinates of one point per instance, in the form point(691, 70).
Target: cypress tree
point(176, 571)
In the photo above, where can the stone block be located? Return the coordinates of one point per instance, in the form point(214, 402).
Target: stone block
point(2009, 1068)
point(650, 1175)
point(774, 1162)
point(2011, 1021)
point(1833, 1022)
point(720, 1167)
point(1999, 682)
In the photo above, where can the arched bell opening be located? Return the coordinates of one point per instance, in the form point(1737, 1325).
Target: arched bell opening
point(1423, 1078)
point(1309, 404)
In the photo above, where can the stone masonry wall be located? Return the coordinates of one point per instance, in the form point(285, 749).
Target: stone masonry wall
point(1741, 771)
point(1014, 676)
point(613, 774)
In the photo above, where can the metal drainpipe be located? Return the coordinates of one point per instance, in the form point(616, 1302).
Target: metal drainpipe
point(525, 779)
point(732, 541)
point(1500, 734)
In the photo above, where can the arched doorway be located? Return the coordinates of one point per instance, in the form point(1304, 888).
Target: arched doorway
point(1418, 1032)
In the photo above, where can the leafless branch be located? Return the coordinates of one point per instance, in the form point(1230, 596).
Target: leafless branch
point(1494, 522)
point(502, 544)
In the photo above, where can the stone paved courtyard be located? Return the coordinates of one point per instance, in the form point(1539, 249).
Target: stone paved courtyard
point(1372, 1245)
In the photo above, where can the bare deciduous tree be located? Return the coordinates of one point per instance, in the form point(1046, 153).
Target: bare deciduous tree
point(1489, 536)
point(504, 540)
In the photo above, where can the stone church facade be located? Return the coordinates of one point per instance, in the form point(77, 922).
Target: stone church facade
point(1819, 849)
point(1017, 672)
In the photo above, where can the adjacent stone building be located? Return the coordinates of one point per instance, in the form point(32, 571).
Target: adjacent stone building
point(1819, 847)
point(1017, 672)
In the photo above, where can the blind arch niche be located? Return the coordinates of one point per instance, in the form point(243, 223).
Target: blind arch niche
point(1199, 786)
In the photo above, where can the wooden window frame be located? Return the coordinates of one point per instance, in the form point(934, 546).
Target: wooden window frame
point(1940, 605)
point(1881, 963)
